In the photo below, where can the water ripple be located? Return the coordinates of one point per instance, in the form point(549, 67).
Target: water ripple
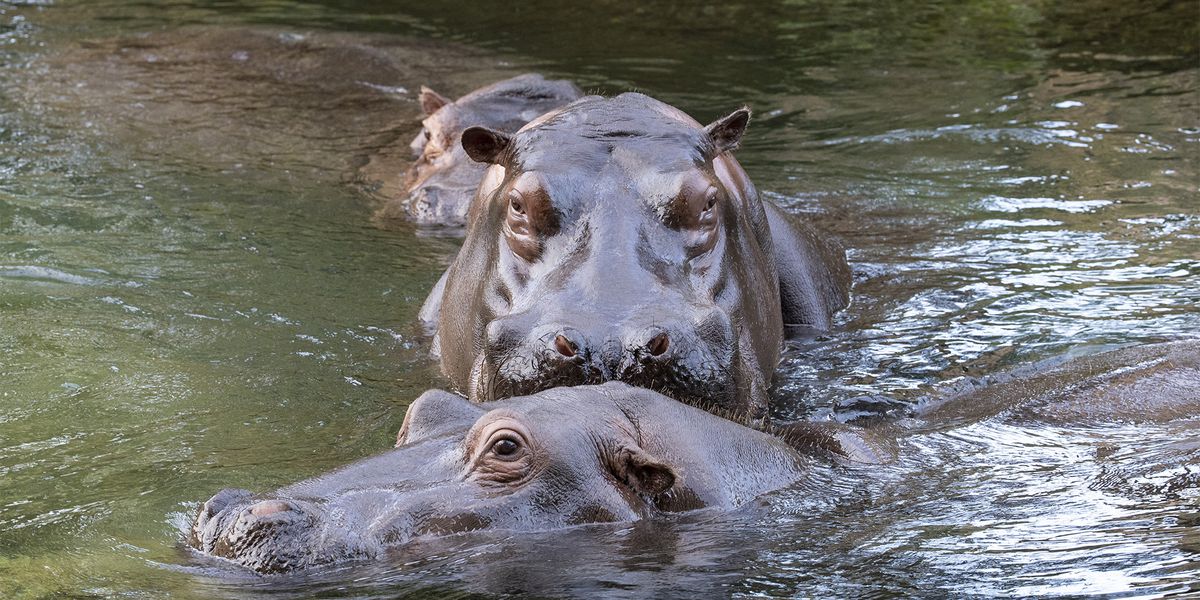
point(47, 274)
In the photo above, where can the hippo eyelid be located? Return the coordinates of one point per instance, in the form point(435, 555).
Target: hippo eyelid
point(529, 217)
point(516, 202)
point(490, 429)
point(690, 207)
point(492, 468)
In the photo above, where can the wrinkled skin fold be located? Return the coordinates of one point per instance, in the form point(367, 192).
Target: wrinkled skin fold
point(617, 239)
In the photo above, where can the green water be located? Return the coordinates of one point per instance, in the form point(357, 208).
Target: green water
point(194, 293)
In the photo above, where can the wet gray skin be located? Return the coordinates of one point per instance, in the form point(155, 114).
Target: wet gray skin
point(442, 180)
point(617, 239)
point(1142, 384)
point(614, 453)
point(563, 457)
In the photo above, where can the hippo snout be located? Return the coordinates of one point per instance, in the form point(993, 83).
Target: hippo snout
point(215, 507)
point(652, 343)
point(270, 536)
point(424, 203)
point(524, 354)
point(433, 203)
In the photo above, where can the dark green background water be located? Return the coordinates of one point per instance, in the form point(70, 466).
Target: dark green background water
point(194, 294)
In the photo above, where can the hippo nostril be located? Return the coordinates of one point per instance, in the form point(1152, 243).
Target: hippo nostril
point(269, 507)
point(658, 344)
point(564, 346)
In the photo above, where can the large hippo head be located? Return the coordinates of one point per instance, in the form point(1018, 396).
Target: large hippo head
point(614, 239)
point(442, 180)
point(564, 457)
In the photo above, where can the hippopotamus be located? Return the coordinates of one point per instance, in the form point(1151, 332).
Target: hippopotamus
point(442, 180)
point(613, 453)
point(558, 458)
point(618, 239)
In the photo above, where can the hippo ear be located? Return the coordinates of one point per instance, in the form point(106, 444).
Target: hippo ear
point(431, 101)
point(485, 145)
point(726, 132)
point(433, 412)
point(642, 471)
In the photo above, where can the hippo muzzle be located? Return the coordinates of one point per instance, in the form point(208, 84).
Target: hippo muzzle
point(438, 202)
point(688, 350)
point(269, 536)
point(298, 528)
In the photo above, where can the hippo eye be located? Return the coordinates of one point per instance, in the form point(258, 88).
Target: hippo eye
point(515, 204)
point(425, 132)
point(711, 200)
point(504, 457)
point(707, 217)
point(507, 448)
point(699, 220)
point(529, 219)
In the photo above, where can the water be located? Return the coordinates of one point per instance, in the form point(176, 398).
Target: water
point(194, 294)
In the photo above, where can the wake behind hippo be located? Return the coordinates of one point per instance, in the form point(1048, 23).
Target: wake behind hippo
point(617, 239)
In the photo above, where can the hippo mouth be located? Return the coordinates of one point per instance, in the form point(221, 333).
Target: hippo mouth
point(700, 378)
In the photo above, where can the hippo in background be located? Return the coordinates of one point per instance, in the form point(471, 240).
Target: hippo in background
point(442, 180)
point(614, 453)
point(618, 239)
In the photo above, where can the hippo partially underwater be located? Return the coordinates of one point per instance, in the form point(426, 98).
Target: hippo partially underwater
point(614, 453)
point(442, 180)
point(562, 457)
point(618, 239)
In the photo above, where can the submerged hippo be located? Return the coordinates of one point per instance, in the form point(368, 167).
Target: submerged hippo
point(442, 179)
point(614, 453)
point(618, 239)
point(559, 458)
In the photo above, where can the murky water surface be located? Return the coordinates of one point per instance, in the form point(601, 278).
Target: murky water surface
point(193, 293)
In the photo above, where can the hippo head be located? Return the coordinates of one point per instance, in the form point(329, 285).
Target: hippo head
point(564, 457)
point(442, 179)
point(614, 239)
